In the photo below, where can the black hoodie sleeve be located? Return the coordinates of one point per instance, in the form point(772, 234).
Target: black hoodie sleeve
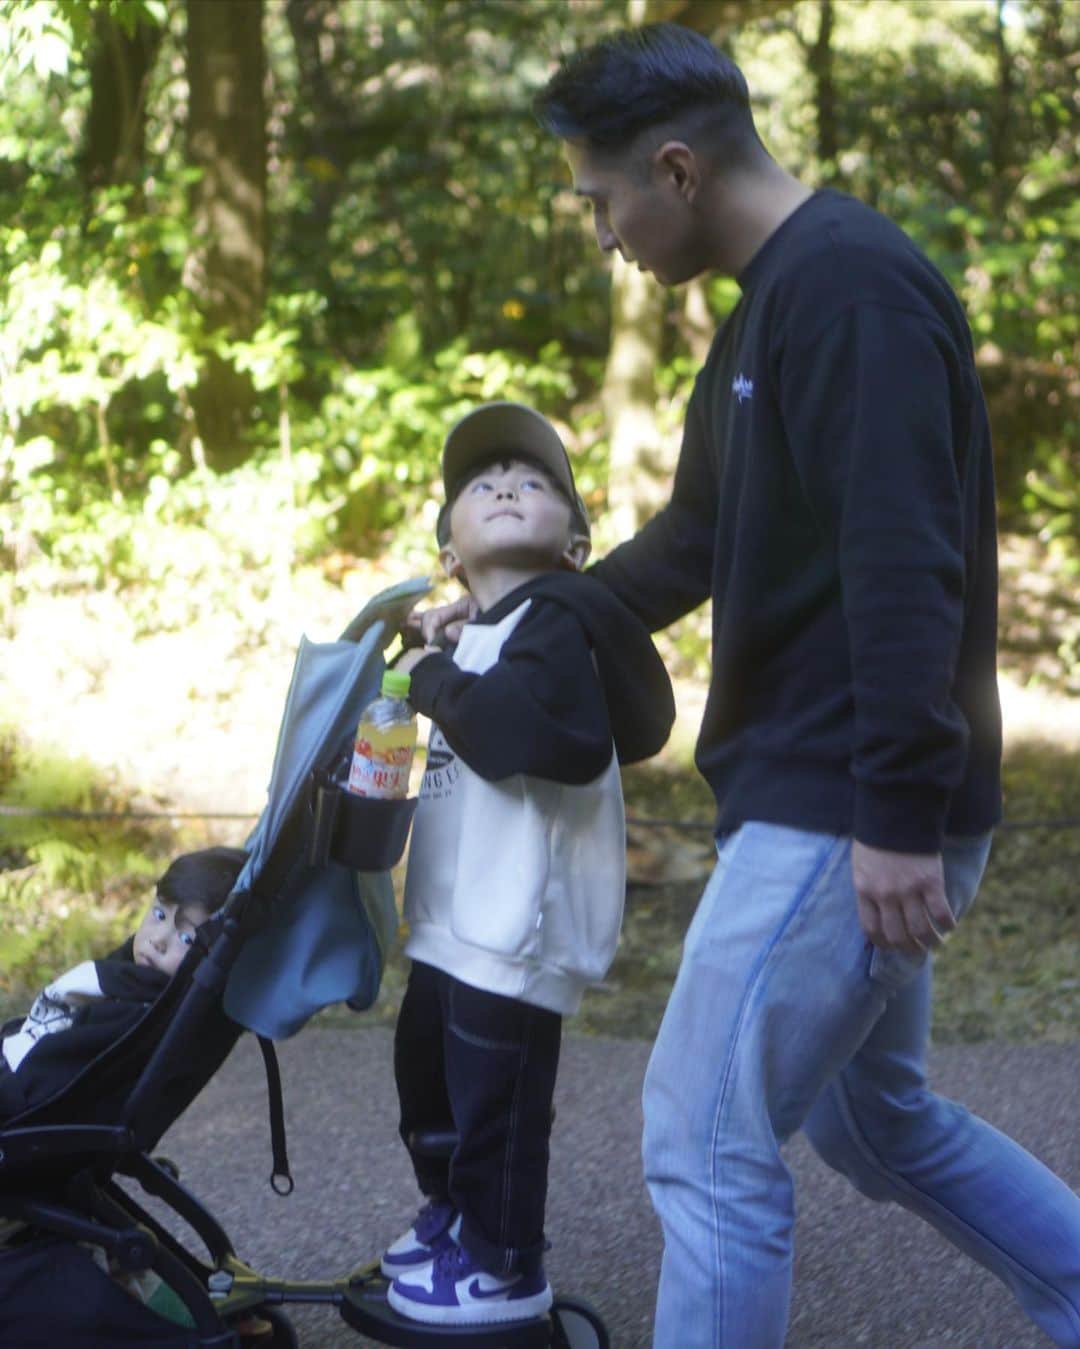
point(539, 710)
point(889, 492)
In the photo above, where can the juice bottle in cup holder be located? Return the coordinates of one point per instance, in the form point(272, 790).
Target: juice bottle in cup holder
point(385, 742)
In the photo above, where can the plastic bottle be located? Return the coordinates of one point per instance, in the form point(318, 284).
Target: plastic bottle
point(385, 741)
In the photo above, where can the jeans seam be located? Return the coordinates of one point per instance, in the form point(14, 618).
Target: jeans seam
point(752, 985)
point(899, 1183)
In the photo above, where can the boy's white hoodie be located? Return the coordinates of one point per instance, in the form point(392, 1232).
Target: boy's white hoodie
point(516, 885)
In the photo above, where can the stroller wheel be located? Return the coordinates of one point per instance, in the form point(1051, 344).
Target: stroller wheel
point(577, 1326)
point(266, 1328)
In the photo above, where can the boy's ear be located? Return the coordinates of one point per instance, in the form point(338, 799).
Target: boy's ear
point(576, 553)
point(450, 563)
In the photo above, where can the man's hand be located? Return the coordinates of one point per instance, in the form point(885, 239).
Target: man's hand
point(901, 898)
point(409, 659)
point(442, 625)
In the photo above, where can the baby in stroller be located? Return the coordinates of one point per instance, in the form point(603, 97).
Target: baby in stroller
point(90, 1006)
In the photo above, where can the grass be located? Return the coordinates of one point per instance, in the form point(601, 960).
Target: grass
point(1012, 971)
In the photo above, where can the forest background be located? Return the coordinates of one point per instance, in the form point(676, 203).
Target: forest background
point(259, 254)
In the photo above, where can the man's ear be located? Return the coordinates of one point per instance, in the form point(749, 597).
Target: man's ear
point(576, 553)
point(450, 563)
point(678, 165)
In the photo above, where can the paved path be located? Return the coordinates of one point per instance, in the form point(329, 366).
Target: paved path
point(865, 1274)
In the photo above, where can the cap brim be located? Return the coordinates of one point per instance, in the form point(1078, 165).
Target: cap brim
point(504, 428)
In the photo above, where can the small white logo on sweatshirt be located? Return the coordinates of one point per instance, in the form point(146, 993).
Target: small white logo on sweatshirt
point(742, 387)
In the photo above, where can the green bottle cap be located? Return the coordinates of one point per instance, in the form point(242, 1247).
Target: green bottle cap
point(396, 683)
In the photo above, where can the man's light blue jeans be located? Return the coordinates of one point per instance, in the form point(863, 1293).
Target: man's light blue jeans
point(782, 1017)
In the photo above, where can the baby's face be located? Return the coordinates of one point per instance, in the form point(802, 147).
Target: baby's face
point(166, 932)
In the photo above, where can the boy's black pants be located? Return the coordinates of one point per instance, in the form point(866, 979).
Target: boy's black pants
point(483, 1066)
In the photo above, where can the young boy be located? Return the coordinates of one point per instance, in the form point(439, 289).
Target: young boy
point(83, 1011)
point(514, 891)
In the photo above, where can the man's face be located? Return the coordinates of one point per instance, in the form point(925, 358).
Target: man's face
point(642, 212)
point(509, 514)
point(166, 932)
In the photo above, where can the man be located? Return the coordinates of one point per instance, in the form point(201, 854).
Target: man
point(834, 498)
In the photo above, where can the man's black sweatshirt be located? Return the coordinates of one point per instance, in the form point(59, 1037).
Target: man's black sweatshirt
point(834, 497)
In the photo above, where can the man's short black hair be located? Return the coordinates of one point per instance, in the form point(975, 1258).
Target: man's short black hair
point(578, 524)
point(660, 74)
point(205, 877)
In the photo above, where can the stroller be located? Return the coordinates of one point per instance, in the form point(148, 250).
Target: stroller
point(317, 869)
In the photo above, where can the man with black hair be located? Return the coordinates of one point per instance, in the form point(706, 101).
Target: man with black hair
point(834, 499)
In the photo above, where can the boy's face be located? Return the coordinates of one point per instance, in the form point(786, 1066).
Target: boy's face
point(510, 514)
point(166, 932)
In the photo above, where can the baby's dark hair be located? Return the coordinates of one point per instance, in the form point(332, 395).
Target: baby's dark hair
point(658, 75)
point(578, 524)
point(205, 878)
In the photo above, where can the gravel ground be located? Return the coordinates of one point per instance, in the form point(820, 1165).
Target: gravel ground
point(865, 1274)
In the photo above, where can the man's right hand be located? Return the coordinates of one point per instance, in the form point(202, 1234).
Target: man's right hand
point(442, 625)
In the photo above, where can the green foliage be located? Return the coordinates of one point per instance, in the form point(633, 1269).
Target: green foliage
point(69, 889)
point(424, 252)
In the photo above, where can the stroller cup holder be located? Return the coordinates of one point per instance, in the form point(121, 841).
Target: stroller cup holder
point(362, 832)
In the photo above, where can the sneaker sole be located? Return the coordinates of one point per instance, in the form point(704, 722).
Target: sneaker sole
point(476, 1313)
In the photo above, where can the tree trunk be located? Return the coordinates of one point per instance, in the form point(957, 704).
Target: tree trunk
point(115, 134)
point(1002, 119)
point(697, 327)
point(629, 392)
point(820, 59)
point(227, 141)
point(629, 397)
point(330, 141)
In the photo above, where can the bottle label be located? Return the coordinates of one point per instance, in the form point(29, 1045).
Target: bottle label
point(382, 773)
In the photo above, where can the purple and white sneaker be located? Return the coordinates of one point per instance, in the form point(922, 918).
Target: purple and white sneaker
point(434, 1229)
point(454, 1291)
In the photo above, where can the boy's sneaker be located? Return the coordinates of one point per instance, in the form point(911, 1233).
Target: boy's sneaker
point(454, 1290)
point(434, 1229)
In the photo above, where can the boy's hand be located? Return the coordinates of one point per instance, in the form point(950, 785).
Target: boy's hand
point(442, 625)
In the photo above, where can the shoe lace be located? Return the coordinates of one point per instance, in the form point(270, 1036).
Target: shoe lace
point(433, 1218)
point(452, 1262)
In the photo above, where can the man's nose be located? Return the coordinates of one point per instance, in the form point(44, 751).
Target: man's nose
point(506, 491)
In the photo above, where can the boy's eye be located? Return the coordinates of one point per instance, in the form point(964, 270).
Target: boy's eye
point(187, 938)
point(480, 485)
point(533, 485)
point(158, 912)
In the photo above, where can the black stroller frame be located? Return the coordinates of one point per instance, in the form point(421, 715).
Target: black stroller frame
point(61, 1178)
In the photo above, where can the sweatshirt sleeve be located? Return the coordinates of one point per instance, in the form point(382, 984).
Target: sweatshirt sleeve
point(539, 709)
point(666, 569)
point(868, 403)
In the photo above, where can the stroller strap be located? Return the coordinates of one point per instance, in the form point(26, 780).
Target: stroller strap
point(281, 1181)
